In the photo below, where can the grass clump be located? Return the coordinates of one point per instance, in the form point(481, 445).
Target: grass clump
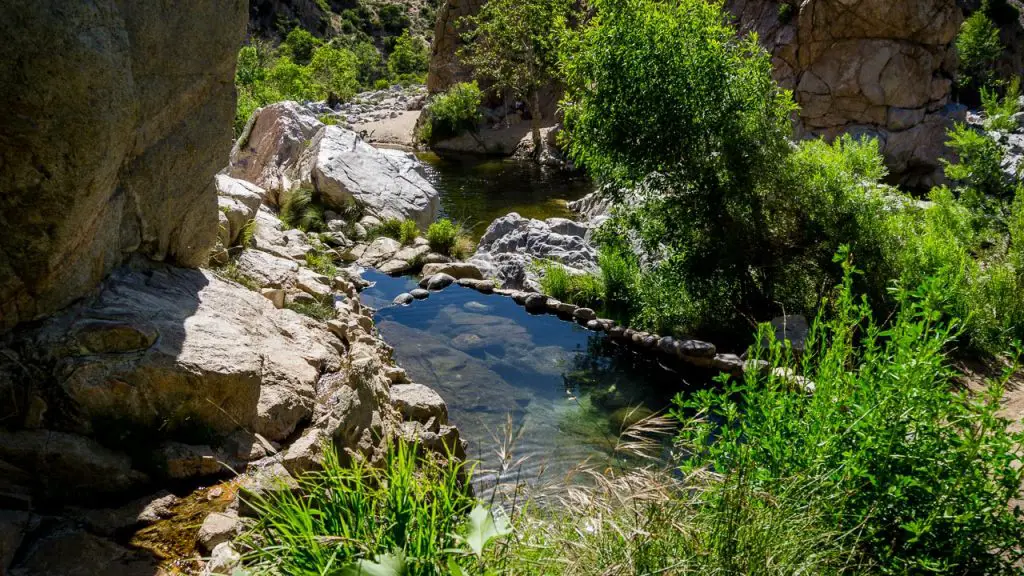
point(452, 113)
point(321, 261)
point(247, 236)
point(319, 310)
point(302, 209)
point(443, 235)
point(231, 273)
point(999, 112)
point(579, 289)
point(405, 231)
point(414, 514)
point(914, 473)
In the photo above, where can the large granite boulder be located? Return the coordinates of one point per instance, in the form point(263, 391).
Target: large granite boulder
point(184, 354)
point(870, 67)
point(344, 169)
point(511, 243)
point(112, 134)
point(269, 148)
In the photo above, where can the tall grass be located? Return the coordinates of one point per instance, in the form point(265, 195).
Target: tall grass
point(916, 475)
point(301, 208)
point(449, 238)
point(409, 510)
point(405, 231)
point(579, 289)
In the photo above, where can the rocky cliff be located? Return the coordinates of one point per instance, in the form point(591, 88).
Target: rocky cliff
point(111, 136)
point(867, 67)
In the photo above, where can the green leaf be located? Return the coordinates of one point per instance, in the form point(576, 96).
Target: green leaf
point(454, 569)
point(483, 527)
point(386, 565)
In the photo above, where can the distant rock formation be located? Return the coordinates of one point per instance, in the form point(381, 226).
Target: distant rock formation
point(111, 136)
point(872, 67)
point(445, 68)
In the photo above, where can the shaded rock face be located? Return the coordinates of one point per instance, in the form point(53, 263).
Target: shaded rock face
point(109, 149)
point(445, 68)
point(186, 353)
point(871, 67)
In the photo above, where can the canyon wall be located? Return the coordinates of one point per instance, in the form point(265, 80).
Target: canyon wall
point(112, 133)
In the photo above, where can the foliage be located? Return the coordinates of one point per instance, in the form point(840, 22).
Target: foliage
point(301, 208)
point(515, 44)
point(401, 514)
point(247, 235)
point(579, 289)
point(443, 236)
point(334, 71)
point(919, 473)
point(667, 88)
point(320, 310)
point(405, 231)
point(321, 261)
point(453, 112)
point(979, 47)
point(231, 273)
point(410, 56)
point(370, 64)
point(979, 162)
point(999, 112)
point(300, 46)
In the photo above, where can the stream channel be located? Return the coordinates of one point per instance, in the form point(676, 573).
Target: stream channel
point(562, 393)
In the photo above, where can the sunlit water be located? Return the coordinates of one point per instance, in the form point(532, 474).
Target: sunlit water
point(475, 191)
point(567, 391)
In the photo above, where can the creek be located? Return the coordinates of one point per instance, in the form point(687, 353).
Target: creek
point(534, 389)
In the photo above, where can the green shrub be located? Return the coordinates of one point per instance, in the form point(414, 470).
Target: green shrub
point(786, 11)
point(301, 208)
point(321, 261)
point(410, 56)
point(443, 236)
point(370, 65)
point(299, 45)
point(452, 113)
point(979, 47)
point(347, 516)
point(579, 289)
point(231, 273)
point(999, 111)
point(917, 472)
point(978, 168)
point(381, 84)
point(408, 232)
point(247, 236)
point(334, 71)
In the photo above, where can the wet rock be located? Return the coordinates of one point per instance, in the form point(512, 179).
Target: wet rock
point(182, 461)
point(439, 282)
point(482, 286)
point(419, 293)
point(730, 363)
point(404, 299)
point(457, 270)
point(565, 309)
point(584, 314)
point(137, 513)
point(695, 349)
point(536, 303)
point(594, 325)
point(68, 466)
point(793, 328)
point(223, 560)
point(420, 403)
point(216, 529)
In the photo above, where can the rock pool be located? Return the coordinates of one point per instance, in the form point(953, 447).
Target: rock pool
point(475, 191)
point(566, 391)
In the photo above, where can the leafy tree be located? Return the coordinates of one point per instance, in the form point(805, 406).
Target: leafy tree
point(370, 63)
point(515, 43)
point(394, 19)
point(335, 72)
point(410, 56)
point(979, 47)
point(300, 45)
point(667, 88)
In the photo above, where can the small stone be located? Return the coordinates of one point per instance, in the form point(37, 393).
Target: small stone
point(519, 297)
point(404, 299)
point(730, 363)
point(275, 295)
point(337, 328)
point(584, 314)
point(616, 331)
point(437, 282)
point(223, 560)
point(483, 286)
point(565, 308)
point(396, 375)
point(594, 325)
point(216, 529)
point(695, 348)
point(535, 303)
point(420, 293)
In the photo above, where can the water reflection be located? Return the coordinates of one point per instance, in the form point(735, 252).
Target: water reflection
point(567, 391)
point(476, 191)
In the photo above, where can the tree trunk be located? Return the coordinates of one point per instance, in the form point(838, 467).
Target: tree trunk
point(535, 118)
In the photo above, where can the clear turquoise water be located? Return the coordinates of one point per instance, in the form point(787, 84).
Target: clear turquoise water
point(565, 390)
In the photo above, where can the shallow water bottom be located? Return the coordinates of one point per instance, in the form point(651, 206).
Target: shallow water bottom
point(536, 391)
